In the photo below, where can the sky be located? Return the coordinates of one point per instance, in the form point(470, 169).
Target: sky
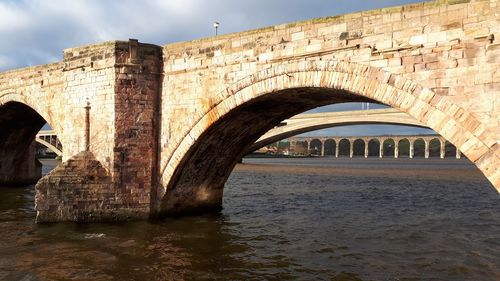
point(36, 31)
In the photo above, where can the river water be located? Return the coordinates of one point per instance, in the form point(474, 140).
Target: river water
point(283, 219)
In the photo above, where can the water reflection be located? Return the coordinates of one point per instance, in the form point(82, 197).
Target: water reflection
point(312, 219)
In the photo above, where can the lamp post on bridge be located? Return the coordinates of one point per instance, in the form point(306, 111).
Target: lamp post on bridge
point(216, 26)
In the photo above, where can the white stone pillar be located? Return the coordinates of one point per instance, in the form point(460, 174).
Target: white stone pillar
point(322, 148)
point(351, 148)
point(366, 149)
point(396, 149)
point(458, 154)
point(381, 149)
point(412, 149)
point(442, 149)
point(426, 149)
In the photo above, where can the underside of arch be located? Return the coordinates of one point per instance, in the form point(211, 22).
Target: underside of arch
point(274, 138)
point(210, 161)
point(19, 125)
point(196, 170)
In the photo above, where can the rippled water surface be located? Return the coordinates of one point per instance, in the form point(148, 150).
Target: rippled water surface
point(283, 219)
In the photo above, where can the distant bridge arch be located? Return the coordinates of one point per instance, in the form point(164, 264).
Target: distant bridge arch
point(304, 123)
point(49, 139)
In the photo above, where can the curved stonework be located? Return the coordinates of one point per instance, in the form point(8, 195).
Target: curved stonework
point(346, 80)
point(303, 123)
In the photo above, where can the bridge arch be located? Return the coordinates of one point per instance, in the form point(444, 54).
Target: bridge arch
point(50, 146)
point(404, 147)
point(19, 124)
point(419, 147)
point(359, 146)
point(14, 97)
point(195, 169)
point(344, 147)
point(315, 146)
point(374, 147)
point(389, 146)
point(330, 147)
point(434, 147)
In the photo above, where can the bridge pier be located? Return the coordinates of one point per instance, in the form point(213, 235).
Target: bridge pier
point(426, 149)
point(19, 167)
point(351, 148)
point(412, 149)
point(458, 154)
point(442, 150)
point(396, 148)
point(366, 149)
point(109, 171)
point(381, 149)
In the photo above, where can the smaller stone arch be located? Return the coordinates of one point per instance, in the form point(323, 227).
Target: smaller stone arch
point(373, 147)
point(329, 146)
point(358, 147)
point(344, 146)
point(389, 145)
point(315, 147)
point(404, 147)
point(435, 146)
point(419, 147)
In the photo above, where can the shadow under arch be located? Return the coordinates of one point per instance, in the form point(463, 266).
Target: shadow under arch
point(344, 147)
point(315, 147)
point(374, 147)
point(196, 168)
point(404, 147)
point(330, 145)
point(19, 124)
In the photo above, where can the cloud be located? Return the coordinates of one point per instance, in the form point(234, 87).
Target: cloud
point(36, 31)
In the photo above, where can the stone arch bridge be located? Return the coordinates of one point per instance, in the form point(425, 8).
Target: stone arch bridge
point(165, 125)
point(380, 141)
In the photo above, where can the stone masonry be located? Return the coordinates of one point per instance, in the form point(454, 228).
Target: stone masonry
point(168, 124)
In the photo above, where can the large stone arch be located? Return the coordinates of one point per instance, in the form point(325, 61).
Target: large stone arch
point(312, 83)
